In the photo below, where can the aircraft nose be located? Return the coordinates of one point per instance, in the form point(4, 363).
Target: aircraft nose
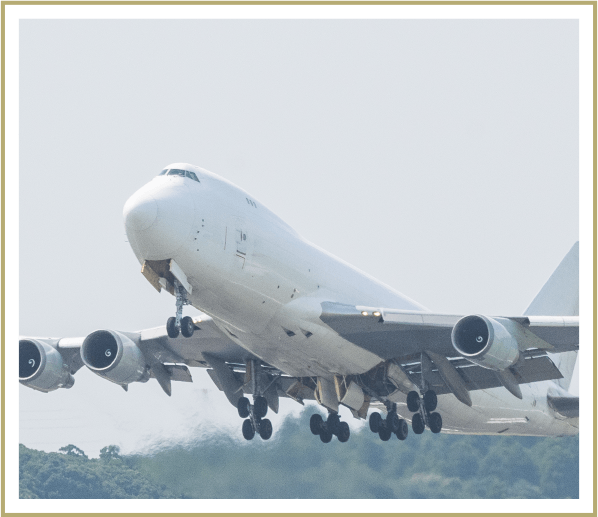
point(140, 212)
point(158, 221)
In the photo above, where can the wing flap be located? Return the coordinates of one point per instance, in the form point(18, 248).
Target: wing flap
point(474, 377)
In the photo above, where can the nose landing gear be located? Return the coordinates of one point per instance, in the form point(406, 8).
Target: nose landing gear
point(176, 324)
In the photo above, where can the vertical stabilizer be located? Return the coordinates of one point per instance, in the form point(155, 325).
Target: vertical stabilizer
point(560, 294)
point(560, 297)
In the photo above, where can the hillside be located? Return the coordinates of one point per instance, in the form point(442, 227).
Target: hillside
point(71, 475)
point(295, 464)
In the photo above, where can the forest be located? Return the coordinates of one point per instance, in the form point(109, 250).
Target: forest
point(296, 464)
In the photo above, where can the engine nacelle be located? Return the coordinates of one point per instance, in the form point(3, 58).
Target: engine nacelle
point(485, 342)
point(41, 366)
point(115, 357)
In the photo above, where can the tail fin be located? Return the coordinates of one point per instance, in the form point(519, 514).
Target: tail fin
point(560, 294)
point(560, 297)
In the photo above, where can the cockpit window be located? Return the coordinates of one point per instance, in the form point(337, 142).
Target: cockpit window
point(192, 176)
point(176, 172)
point(180, 172)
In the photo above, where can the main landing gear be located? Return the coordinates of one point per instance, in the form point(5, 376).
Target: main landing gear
point(392, 424)
point(176, 324)
point(329, 427)
point(256, 423)
point(424, 407)
point(254, 413)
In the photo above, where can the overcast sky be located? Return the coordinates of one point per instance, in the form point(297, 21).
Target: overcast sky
point(439, 156)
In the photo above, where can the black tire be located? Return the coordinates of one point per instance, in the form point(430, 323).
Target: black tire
point(265, 429)
point(403, 430)
point(326, 436)
point(375, 422)
point(332, 423)
point(418, 424)
point(187, 326)
point(385, 433)
point(435, 422)
point(344, 433)
point(392, 421)
point(413, 401)
point(430, 400)
point(243, 407)
point(248, 430)
point(316, 423)
point(171, 329)
point(260, 407)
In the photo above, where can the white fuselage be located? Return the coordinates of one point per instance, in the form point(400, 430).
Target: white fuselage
point(258, 279)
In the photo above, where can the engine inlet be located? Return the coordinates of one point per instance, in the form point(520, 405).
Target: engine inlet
point(99, 349)
point(30, 359)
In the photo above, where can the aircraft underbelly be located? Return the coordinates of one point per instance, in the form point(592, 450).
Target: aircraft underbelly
point(301, 355)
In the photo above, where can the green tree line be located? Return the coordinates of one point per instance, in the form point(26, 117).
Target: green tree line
point(296, 464)
point(70, 474)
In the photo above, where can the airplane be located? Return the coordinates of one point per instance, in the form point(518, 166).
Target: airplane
point(281, 317)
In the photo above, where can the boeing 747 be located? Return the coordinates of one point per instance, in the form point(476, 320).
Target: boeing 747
point(281, 317)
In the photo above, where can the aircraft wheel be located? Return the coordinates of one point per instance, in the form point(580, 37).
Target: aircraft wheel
point(265, 429)
point(248, 430)
point(430, 400)
point(435, 422)
point(343, 432)
point(403, 430)
point(171, 329)
point(385, 433)
point(333, 422)
point(316, 423)
point(187, 326)
point(392, 422)
point(260, 407)
point(243, 407)
point(413, 401)
point(326, 436)
point(375, 422)
point(418, 424)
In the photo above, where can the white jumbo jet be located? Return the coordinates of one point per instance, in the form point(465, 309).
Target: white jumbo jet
point(284, 318)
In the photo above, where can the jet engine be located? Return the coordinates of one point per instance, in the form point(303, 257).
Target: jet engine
point(41, 366)
point(115, 357)
point(484, 341)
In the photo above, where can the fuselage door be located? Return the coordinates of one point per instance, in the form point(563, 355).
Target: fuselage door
point(241, 238)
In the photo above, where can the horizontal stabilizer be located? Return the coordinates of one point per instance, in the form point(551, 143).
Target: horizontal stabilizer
point(562, 403)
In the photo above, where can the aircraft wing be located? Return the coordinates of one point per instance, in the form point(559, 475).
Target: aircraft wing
point(208, 342)
point(209, 347)
point(423, 341)
point(389, 333)
point(47, 364)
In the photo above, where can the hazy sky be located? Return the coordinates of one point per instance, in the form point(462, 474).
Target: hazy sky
point(439, 156)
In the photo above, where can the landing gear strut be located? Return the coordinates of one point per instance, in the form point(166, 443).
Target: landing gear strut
point(424, 407)
point(254, 413)
point(329, 427)
point(392, 424)
point(177, 323)
point(256, 421)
